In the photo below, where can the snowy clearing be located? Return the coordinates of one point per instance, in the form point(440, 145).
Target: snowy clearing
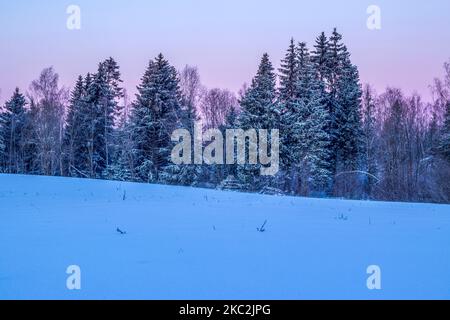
point(186, 243)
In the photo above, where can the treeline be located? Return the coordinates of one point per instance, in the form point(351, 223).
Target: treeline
point(337, 138)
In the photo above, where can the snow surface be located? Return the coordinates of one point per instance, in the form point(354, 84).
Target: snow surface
point(186, 243)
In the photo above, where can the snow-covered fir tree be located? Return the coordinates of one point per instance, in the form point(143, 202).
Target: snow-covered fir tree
point(349, 133)
point(314, 138)
point(103, 93)
point(83, 131)
point(121, 168)
point(288, 102)
point(348, 117)
point(320, 56)
point(259, 110)
point(156, 114)
point(343, 102)
point(113, 132)
point(96, 88)
point(74, 132)
point(12, 125)
point(288, 75)
point(31, 143)
point(309, 139)
point(337, 54)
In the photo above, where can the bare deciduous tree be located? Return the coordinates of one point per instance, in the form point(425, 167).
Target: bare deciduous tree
point(190, 85)
point(48, 101)
point(215, 106)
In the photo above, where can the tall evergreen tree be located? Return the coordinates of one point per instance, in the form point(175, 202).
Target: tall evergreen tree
point(73, 136)
point(84, 147)
point(337, 56)
point(31, 141)
point(309, 139)
point(121, 168)
point(288, 100)
point(320, 56)
point(288, 75)
point(155, 116)
point(343, 101)
point(348, 117)
point(12, 121)
point(349, 134)
point(96, 88)
point(259, 110)
point(103, 93)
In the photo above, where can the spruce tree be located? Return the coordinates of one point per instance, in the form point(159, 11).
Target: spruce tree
point(259, 110)
point(348, 134)
point(337, 56)
point(320, 57)
point(343, 101)
point(73, 136)
point(288, 75)
point(95, 90)
point(348, 117)
point(84, 147)
point(122, 168)
point(103, 92)
point(288, 101)
point(113, 133)
point(310, 140)
point(31, 141)
point(155, 116)
point(13, 120)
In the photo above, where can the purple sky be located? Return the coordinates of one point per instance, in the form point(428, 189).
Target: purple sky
point(225, 39)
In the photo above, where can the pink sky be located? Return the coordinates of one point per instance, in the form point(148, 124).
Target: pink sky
point(225, 39)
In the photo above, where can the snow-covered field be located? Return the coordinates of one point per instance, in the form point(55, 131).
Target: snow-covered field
point(185, 243)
